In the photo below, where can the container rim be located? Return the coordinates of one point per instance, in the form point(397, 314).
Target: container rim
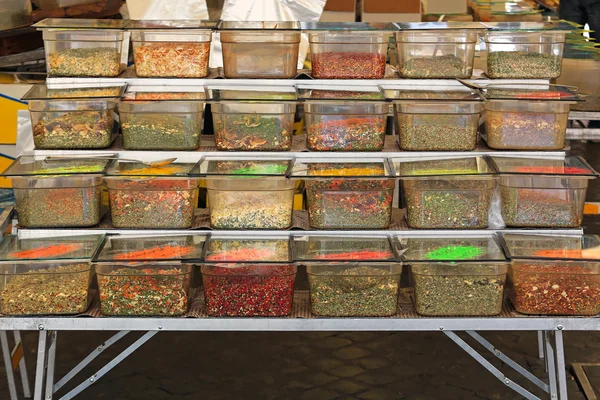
point(59, 262)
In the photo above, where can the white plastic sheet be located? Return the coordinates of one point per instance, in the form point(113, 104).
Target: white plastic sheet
point(167, 9)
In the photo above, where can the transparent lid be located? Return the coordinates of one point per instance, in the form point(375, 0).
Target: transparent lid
point(541, 247)
point(42, 92)
point(348, 93)
point(51, 248)
point(157, 93)
point(348, 26)
point(419, 26)
point(498, 27)
point(184, 24)
point(152, 248)
point(452, 93)
point(259, 25)
point(342, 249)
point(330, 168)
point(442, 249)
point(463, 166)
point(570, 166)
point(225, 166)
point(131, 168)
point(251, 93)
point(41, 165)
point(268, 249)
point(529, 91)
point(80, 23)
point(513, 8)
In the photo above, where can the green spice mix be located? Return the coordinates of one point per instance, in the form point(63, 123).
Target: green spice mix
point(98, 61)
point(245, 132)
point(51, 291)
point(442, 67)
point(357, 292)
point(144, 131)
point(74, 130)
point(523, 65)
point(437, 132)
point(440, 292)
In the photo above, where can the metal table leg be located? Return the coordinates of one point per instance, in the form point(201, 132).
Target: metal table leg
point(23, 367)
point(40, 367)
point(551, 366)
point(560, 365)
point(10, 375)
point(540, 340)
point(51, 364)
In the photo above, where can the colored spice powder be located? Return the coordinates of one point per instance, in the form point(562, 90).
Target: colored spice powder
point(50, 251)
point(442, 67)
point(58, 208)
point(172, 59)
point(559, 253)
point(98, 61)
point(522, 65)
point(156, 131)
point(555, 289)
point(433, 204)
point(84, 92)
point(341, 94)
point(166, 170)
point(74, 130)
point(454, 253)
point(552, 170)
point(244, 132)
point(51, 291)
point(437, 132)
point(241, 255)
point(525, 131)
point(349, 134)
point(348, 65)
point(68, 170)
point(156, 253)
point(248, 250)
point(356, 255)
point(247, 167)
point(148, 291)
point(356, 292)
point(249, 290)
point(154, 96)
point(440, 291)
point(534, 208)
point(153, 203)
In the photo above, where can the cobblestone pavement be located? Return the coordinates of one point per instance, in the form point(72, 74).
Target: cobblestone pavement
point(312, 366)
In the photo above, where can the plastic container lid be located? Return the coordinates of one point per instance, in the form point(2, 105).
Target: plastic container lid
point(541, 247)
point(152, 248)
point(42, 92)
point(348, 93)
point(80, 23)
point(252, 93)
point(324, 249)
point(264, 250)
point(238, 167)
point(455, 249)
point(186, 24)
point(328, 168)
point(82, 248)
point(148, 93)
point(129, 168)
point(40, 166)
point(570, 166)
point(530, 26)
point(259, 25)
point(428, 26)
point(348, 26)
point(530, 91)
point(454, 93)
point(449, 167)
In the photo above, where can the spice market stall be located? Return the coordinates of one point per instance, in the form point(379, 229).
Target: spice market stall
point(123, 149)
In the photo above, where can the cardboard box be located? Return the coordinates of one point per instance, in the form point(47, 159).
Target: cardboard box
point(385, 17)
point(447, 17)
point(339, 11)
point(391, 11)
point(444, 6)
point(340, 5)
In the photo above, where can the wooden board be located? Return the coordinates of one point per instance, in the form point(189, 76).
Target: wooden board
point(99, 9)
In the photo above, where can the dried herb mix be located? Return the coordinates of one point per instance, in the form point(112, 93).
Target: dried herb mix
point(522, 64)
point(244, 132)
point(525, 131)
point(357, 292)
point(55, 290)
point(73, 130)
point(437, 132)
point(442, 67)
point(441, 292)
point(555, 289)
point(172, 59)
point(148, 291)
point(249, 290)
point(348, 134)
point(97, 61)
point(535, 208)
point(58, 208)
point(348, 65)
point(145, 131)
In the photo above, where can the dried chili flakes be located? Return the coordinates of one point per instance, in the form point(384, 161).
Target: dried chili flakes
point(172, 59)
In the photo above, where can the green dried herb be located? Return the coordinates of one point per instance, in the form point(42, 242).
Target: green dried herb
point(437, 132)
point(145, 131)
point(442, 67)
point(74, 130)
point(523, 65)
point(97, 61)
point(244, 132)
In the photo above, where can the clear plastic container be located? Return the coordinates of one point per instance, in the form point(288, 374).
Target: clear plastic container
point(123, 248)
point(153, 119)
point(524, 55)
point(268, 249)
point(260, 49)
point(171, 49)
point(144, 289)
point(348, 55)
point(522, 125)
point(79, 118)
point(436, 54)
point(459, 289)
point(341, 249)
point(44, 288)
point(354, 289)
point(347, 195)
point(152, 202)
point(52, 248)
point(447, 194)
point(76, 47)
